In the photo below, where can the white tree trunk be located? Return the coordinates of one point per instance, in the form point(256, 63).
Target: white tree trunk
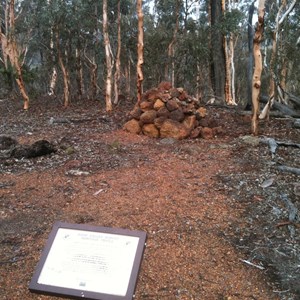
point(10, 50)
point(108, 56)
point(118, 58)
point(274, 86)
point(140, 49)
point(256, 81)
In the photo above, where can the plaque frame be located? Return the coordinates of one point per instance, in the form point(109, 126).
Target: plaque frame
point(74, 293)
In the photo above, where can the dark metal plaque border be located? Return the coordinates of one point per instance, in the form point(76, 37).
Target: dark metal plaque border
point(61, 291)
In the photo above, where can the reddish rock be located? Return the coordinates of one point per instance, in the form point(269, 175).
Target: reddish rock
point(195, 132)
point(190, 122)
point(136, 113)
point(148, 116)
point(172, 105)
point(173, 129)
point(146, 105)
point(183, 96)
point(171, 112)
point(159, 121)
point(174, 93)
point(163, 112)
point(151, 95)
point(207, 133)
point(177, 115)
point(202, 111)
point(150, 130)
point(188, 108)
point(132, 126)
point(164, 86)
point(158, 104)
point(165, 97)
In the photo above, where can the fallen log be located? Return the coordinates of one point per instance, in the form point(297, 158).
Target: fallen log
point(286, 110)
point(273, 144)
point(289, 169)
point(294, 99)
point(39, 148)
point(288, 144)
point(292, 211)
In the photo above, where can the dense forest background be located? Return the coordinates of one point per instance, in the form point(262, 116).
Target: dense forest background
point(203, 46)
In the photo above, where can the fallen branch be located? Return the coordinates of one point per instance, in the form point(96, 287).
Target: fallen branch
point(288, 144)
point(293, 98)
point(292, 211)
point(69, 121)
point(297, 123)
point(273, 144)
point(289, 169)
point(287, 223)
point(286, 110)
point(252, 264)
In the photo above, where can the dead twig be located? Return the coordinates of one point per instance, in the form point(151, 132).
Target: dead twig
point(289, 169)
point(286, 223)
point(252, 264)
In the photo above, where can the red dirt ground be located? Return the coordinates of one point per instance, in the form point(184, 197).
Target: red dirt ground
point(200, 202)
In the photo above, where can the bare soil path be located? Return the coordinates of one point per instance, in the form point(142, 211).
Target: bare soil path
point(201, 202)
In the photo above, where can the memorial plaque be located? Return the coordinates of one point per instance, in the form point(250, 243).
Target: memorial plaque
point(89, 262)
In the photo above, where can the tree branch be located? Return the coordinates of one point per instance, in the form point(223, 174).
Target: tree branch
point(288, 169)
point(287, 12)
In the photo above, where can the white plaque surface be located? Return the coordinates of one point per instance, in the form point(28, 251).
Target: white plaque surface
point(91, 261)
point(80, 261)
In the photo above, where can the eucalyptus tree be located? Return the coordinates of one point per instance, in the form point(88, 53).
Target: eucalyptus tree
point(13, 50)
point(109, 58)
point(232, 17)
point(117, 74)
point(140, 49)
point(256, 81)
point(162, 37)
point(278, 63)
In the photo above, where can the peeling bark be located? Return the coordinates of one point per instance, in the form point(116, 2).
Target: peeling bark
point(79, 73)
point(250, 55)
point(66, 77)
point(118, 57)
point(10, 50)
point(128, 78)
point(53, 77)
point(108, 56)
point(274, 86)
point(231, 47)
point(229, 61)
point(228, 96)
point(93, 76)
point(140, 49)
point(256, 80)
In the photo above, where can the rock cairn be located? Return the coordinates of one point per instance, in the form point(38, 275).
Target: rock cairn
point(166, 112)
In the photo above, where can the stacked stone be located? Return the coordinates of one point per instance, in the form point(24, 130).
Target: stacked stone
point(166, 112)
